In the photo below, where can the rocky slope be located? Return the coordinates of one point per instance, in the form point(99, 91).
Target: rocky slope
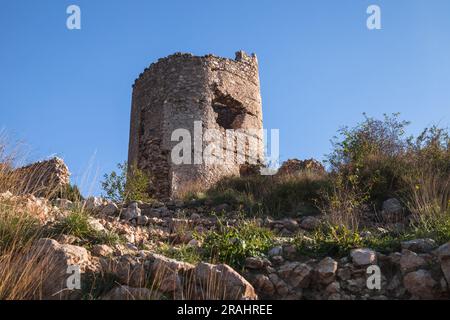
point(134, 269)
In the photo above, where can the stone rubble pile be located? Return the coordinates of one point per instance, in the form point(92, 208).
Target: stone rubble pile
point(43, 179)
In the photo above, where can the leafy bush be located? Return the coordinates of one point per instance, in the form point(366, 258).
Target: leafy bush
point(364, 158)
point(376, 160)
point(232, 244)
point(127, 185)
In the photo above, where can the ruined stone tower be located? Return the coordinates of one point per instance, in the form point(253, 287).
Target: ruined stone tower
point(196, 94)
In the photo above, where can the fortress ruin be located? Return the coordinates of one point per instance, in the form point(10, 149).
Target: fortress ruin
point(182, 91)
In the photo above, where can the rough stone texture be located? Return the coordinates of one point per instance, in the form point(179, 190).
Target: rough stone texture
point(129, 293)
point(167, 273)
point(363, 257)
point(326, 270)
point(392, 211)
point(180, 89)
point(56, 258)
point(44, 178)
point(224, 282)
point(419, 245)
point(420, 284)
point(410, 261)
point(445, 266)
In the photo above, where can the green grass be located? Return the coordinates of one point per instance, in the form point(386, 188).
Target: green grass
point(77, 224)
point(436, 228)
point(182, 253)
point(338, 241)
point(268, 195)
point(232, 244)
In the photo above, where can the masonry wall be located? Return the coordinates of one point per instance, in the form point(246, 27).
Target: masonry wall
point(178, 90)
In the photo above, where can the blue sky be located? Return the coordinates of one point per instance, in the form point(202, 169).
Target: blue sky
point(69, 92)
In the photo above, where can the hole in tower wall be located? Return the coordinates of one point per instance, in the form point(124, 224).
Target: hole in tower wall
point(227, 110)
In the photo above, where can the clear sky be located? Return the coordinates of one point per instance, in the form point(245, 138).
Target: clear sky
point(68, 92)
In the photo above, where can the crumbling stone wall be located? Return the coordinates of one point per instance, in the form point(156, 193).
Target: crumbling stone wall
point(43, 178)
point(175, 92)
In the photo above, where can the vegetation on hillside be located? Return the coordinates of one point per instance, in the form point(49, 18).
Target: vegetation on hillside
point(369, 163)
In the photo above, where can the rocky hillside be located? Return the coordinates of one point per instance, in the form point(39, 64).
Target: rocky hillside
point(374, 225)
point(127, 252)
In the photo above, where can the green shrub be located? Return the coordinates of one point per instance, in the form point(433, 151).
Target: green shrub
point(375, 160)
point(338, 241)
point(436, 228)
point(126, 185)
point(329, 241)
point(366, 158)
point(232, 244)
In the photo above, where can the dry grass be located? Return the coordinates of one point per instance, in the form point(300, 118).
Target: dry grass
point(21, 274)
point(429, 196)
point(290, 194)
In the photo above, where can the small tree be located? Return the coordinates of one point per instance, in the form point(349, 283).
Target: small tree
point(125, 185)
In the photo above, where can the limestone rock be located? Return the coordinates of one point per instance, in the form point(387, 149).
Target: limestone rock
point(231, 285)
point(392, 210)
point(128, 293)
point(110, 209)
point(410, 261)
point(443, 251)
point(132, 212)
point(297, 274)
point(275, 251)
point(96, 225)
point(363, 257)
point(57, 259)
point(420, 284)
point(166, 273)
point(254, 263)
point(419, 245)
point(93, 204)
point(310, 223)
point(326, 270)
point(263, 284)
point(102, 250)
point(290, 224)
point(445, 267)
